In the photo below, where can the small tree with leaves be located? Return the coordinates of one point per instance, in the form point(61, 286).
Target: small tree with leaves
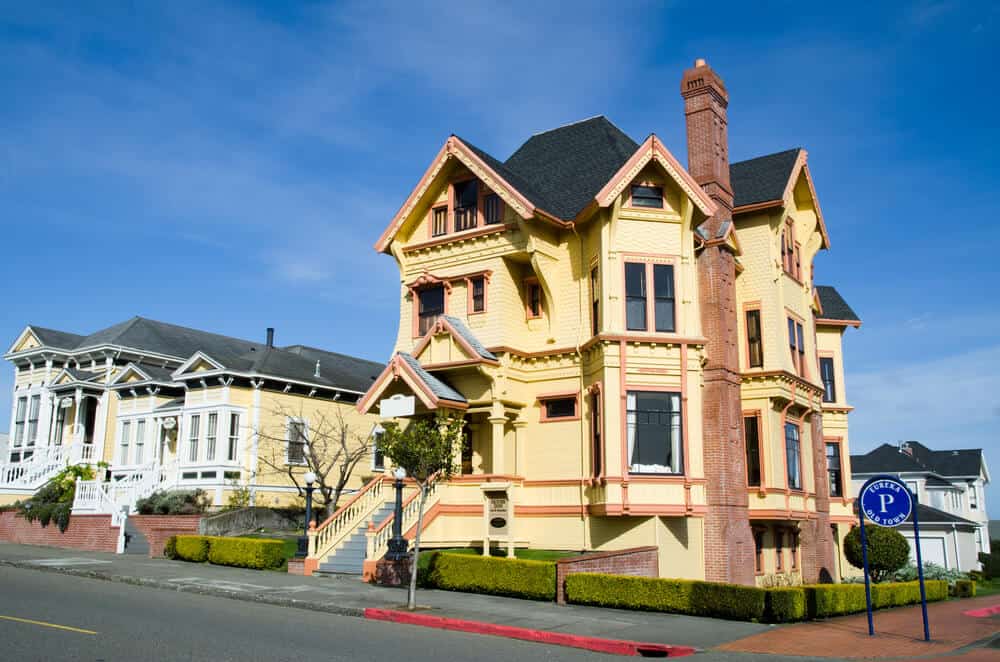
point(425, 448)
point(888, 550)
point(319, 440)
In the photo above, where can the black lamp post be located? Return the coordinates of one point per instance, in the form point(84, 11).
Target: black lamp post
point(303, 550)
point(398, 546)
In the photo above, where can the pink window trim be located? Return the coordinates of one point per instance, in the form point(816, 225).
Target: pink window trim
point(546, 397)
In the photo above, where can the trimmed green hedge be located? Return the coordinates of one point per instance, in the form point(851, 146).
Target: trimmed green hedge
point(825, 600)
point(678, 596)
point(192, 548)
point(785, 604)
point(535, 580)
point(257, 553)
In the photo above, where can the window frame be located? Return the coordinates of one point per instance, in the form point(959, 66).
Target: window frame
point(531, 284)
point(678, 441)
point(211, 435)
point(829, 386)
point(418, 296)
point(790, 425)
point(595, 300)
point(779, 549)
point(751, 342)
point(469, 219)
point(34, 413)
point(546, 399)
point(124, 441)
point(140, 441)
point(233, 438)
point(492, 199)
point(473, 310)
point(303, 425)
point(793, 549)
point(596, 402)
point(649, 294)
point(438, 221)
point(377, 465)
point(632, 197)
point(758, 544)
point(837, 442)
point(796, 344)
point(755, 416)
point(20, 421)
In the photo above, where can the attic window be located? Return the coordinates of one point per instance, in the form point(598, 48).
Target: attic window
point(647, 196)
point(466, 196)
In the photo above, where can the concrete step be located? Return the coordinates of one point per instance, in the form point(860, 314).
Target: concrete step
point(135, 542)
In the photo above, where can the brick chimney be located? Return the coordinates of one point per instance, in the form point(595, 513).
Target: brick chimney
point(705, 104)
point(729, 543)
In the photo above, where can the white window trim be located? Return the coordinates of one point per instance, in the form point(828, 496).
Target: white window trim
point(289, 421)
point(376, 432)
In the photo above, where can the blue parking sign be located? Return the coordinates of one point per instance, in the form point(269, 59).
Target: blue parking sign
point(886, 501)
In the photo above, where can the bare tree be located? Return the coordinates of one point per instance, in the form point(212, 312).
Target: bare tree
point(319, 440)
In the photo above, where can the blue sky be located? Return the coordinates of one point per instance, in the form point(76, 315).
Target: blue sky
point(228, 166)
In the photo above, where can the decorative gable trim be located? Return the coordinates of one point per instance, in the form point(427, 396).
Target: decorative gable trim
point(23, 338)
point(444, 326)
point(654, 150)
point(455, 148)
point(397, 368)
point(130, 369)
point(197, 357)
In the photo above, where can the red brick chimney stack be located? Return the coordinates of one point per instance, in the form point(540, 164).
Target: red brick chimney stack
point(705, 104)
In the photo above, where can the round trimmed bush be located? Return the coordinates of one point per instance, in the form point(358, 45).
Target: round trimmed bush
point(888, 550)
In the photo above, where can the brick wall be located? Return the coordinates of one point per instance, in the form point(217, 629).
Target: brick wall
point(157, 528)
point(637, 561)
point(88, 532)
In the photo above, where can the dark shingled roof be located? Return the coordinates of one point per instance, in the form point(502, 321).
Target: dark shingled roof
point(470, 338)
point(57, 339)
point(437, 386)
point(888, 458)
point(834, 306)
point(567, 166)
point(156, 373)
point(762, 179)
point(931, 515)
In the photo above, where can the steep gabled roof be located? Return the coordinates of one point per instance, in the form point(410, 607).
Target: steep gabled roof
point(835, 309)
point(469, 337)
point(885, 459)
point(56, 339)
point(438, 387)
point(762, 179)
point(888, 458)
point(570, 164)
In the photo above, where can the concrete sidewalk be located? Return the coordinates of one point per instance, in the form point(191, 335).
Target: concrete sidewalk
point(350, 596)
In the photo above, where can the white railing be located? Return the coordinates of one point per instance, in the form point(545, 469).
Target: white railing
point(378, 537)
point(95, 496)
point(325, 538)
point(33, 472)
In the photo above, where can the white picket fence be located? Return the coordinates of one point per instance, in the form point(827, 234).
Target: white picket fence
point(98, 497)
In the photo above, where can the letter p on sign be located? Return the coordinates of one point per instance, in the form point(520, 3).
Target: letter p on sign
point(885, 500)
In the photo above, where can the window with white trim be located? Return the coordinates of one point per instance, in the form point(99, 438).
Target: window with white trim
point(19, 419)
point(123, 450)
point(193, 438)
point(36, 404)
point(973, 497)
point(653, 429)
point(297, 436)
point(210, 436)
point(234, 437)
point(140, 440)
point(57, 434)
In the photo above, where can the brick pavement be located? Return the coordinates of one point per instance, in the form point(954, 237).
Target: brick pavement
point(898, 633)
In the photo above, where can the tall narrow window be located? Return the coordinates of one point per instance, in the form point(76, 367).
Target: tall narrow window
point(653, 428)
point(797, 345)
point(492, 209)
point(140, 440)
point(751, 437)
point(793, 548)
point(833, 469)
point(647, 196)
point(973, 497)
point(466, 197)
point(234, 437)
point(193, 438)
point(533, 291)
point(595, 433)
point(296, 442)
point(430, 307)
point(635, 296)
point(758, 548)
point(439, 218)
point(57, 434)
point(478, 294)
point(595, 302)
point(35, 405)
point(123, 452)
point(779, 550)
point(829, 385)
point(755, 345)
point(789, 254)
point(793, 456)
point(378, 455)
point(663, 289)
point(19, 417)
point(210, 436)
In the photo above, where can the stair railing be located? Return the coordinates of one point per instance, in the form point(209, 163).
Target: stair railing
point(378, 536)
point(325, 538)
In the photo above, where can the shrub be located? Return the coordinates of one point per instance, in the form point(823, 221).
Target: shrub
point(784, 605)
point(931, 571)
point(679, 596)
point(174, 502)
point(256, 553)
point(965, 588)
point(192, 548)
point(53, 502)
point(170, 548)
point(888, 550)
point(991, 563)
point(535, 580)
point(825, 600)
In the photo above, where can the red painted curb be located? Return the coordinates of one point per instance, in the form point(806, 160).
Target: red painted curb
point(983, 613)
point(613, 646)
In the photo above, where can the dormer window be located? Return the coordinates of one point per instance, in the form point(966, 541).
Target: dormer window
point(647, 196)
point(492, 209)
point(466, 197)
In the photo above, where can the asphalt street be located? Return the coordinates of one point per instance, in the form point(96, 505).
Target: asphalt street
point(48, 616)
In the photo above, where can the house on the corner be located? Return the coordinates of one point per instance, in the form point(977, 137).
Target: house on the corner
point(951, 488)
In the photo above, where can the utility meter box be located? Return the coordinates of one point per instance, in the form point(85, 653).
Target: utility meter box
point(498, 517)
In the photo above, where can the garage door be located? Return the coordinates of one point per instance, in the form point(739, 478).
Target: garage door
point(931, 548)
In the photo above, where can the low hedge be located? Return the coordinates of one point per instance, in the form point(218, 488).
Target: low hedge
point(785, 604)
point(825, 600)
point(256, 553)
point(678, 596)
point(535, 580)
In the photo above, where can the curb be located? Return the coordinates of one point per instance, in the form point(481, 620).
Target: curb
point(597, 644)
point(357, 612)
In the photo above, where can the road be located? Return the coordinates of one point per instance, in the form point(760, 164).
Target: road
point(138, 623)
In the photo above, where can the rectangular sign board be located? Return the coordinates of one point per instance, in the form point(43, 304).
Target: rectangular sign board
point(397, 406)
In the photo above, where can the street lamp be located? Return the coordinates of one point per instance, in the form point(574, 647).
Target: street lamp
point(303, 550)
point(398, 545)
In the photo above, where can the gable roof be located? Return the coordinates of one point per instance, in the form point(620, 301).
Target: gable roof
point(762, 179)
point(835, 309)
point(437, 386)
point(57, 339)
point(466, 333)
point(931, 515)
point(888, 458)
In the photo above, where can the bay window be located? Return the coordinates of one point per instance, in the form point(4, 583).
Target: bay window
point(793, 456)
point(140, 440)
point(653, 428)
point(123, 452)
point(210, 436)
point(193, 438)
point(833, 469)
point(234, 437)
point(19, 418)
point(640, 305)
point(797, 346)
point(36, 404)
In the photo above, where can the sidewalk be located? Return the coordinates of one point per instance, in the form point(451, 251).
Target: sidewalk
point(351, 597)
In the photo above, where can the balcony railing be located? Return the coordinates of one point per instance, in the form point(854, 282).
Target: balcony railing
point(465, 218)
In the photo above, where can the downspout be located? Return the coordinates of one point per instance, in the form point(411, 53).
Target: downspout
point(579, 355)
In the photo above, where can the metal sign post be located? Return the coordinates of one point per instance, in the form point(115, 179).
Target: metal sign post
point(887, 501)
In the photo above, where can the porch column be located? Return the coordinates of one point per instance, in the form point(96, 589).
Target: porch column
point(520, 446)
point(499, 464)
point(77, 432)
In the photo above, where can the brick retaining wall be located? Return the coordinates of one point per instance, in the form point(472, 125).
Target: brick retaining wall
point(157, 528)
point(637, 561)
point(88, 532)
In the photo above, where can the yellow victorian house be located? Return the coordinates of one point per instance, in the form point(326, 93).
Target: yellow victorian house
point(637, 348)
